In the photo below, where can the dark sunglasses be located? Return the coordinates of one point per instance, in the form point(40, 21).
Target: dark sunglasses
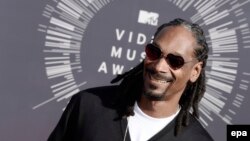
point(153, 53)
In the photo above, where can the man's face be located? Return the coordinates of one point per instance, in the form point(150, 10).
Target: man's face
point(161, 81)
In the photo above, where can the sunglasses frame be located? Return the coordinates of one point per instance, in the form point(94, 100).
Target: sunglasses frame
point(166, 57)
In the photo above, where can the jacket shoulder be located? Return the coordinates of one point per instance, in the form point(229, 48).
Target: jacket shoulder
point(105, 95)
point(197, 131)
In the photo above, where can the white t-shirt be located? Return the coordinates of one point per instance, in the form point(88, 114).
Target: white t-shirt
point(142, 127)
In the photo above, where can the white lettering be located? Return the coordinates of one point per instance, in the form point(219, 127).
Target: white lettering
point(116, 52)
point(119, 34)
point(130, 37)
point(141, 39)
point(233, 133)
point(238, 133)
point(117, 69)
point(244, 133)
point(129, 57)
point(143, 55)
point(103, 67)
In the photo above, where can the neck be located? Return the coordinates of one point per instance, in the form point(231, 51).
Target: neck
point(158, 109)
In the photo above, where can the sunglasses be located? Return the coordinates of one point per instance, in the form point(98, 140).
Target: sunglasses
point(153, 53)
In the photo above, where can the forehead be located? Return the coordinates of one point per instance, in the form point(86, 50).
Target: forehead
point(177, 39)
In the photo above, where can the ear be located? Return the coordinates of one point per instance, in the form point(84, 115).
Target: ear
point(196, 70)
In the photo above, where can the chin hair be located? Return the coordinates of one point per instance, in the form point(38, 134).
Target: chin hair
point(154, 97)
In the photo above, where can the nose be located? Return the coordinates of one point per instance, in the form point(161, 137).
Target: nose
point(161, 66)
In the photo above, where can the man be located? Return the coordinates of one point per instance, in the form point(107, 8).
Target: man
point(153, 101)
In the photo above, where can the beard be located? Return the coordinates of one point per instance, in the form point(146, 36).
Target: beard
point(153, 96)
point(154, 91)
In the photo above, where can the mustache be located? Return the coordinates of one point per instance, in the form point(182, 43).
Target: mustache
point(159, 76)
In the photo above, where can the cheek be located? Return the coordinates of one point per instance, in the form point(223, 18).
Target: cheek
point(182, 78)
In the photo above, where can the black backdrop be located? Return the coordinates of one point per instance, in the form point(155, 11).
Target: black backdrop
point(51, 49)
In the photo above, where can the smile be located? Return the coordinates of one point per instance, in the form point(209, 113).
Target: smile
point(161, 81)
point(158, 80)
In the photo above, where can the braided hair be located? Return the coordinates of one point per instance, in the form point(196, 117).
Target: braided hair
point(130, 88)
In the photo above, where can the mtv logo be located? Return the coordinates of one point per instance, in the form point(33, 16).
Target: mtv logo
point(146, 17)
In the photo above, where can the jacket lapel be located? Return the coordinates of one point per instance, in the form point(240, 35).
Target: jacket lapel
point(124, 129)
point(167, 133)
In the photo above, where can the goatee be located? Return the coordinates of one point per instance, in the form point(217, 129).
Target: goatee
point(153, 97)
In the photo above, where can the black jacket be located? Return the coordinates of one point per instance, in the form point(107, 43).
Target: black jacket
point(92, 116)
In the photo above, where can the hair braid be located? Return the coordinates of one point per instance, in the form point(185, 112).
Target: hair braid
point(129, 90)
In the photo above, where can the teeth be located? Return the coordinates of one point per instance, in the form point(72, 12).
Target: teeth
point(161, 81)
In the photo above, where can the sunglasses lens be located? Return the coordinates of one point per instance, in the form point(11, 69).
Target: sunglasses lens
point(152, 52)
point(174, 61)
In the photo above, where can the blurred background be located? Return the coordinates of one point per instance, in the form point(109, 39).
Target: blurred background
point(52, 49)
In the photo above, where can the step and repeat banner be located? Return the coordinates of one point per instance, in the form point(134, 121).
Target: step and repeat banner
point(52, 49)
